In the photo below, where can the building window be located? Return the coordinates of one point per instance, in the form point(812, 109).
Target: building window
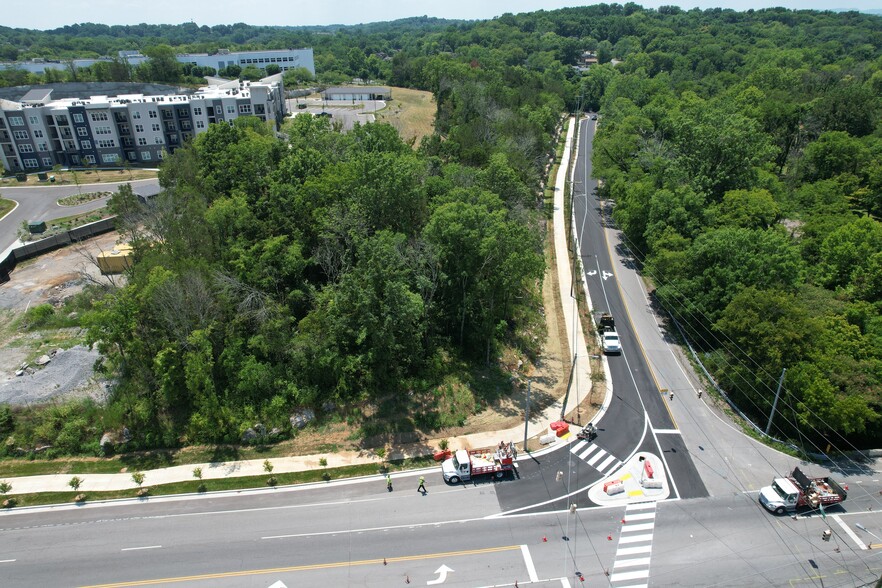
point(131, 155)
point(231, 109)
point(185, 125)
point(145, 156)
point(152, 114)
point(158, 140)
point(77, 117)
point(60, 120)
point(197, 111)
point(124, 130)
point(85, 145)
point(167, 114)
point(16, 121)
point(139, 128)
point(47, 162)
point(200, 124)
point(110, 158)
point(38, 134)
point(82, 131)
point(75, 159)
point(173, 138)
point(106, 143)
point(244, 109)
point(20, 134)
point(103, 131)
point(142, 140)
point(89, 159)
point(136, 115)
point(127, 141)
point(25, 148)
point(42, 147)
point(31, 163)
point(170, 127)
point(218, 110)
point(156, 128)
point(98, 116)
point(33, 120)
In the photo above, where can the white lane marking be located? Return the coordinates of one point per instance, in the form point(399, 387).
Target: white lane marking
point(634, 586)
point(635, 538)
point(565, 583)
point(640, 506)
point(668, 431)
point(139, 548)
point(849, 532)
point(579, 446)
point(629, 528)
point(640, 516)
point(588, 451)
point(528, 560)
point(634, 550)
point(6, 560)
point(624, 576)
point(626, 563)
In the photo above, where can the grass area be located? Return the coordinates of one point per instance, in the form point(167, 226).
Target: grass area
point(5, 206)
point(67, 177)
point(192, 486)
point(412, 112)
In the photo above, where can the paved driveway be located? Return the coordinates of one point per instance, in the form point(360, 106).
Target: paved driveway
point(41, 203)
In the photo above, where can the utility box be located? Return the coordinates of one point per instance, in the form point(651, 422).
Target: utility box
point(42, 176)
point(115, 261)
point(36, 227)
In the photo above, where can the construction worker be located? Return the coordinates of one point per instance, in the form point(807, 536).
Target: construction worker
point(422, 486)
point(389, 482)
point(672, 396)
point(699, 393)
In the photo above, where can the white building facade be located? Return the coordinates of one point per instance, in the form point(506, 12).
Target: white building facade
point(37, 133)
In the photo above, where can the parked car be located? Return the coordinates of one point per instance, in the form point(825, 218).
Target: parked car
point(593, 117)
point(611, 343)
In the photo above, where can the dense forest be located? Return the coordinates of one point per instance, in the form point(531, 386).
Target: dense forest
point(742, 152)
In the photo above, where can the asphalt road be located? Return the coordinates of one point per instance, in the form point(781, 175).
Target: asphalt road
point(41, 203)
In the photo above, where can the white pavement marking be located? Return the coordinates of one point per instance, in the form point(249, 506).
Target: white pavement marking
point(6, 560)
point(627, 563)
point(596, 457)
point(635, 538)
point(565, 583)
point(139, 548)
point(603, 465)
point(641, 506)
point(625, 576)
point(588, 451)
point(634, 550)
point(639, 516)
point(849, 532)
point(667, 431)
point(629, 528)
point(528, 560)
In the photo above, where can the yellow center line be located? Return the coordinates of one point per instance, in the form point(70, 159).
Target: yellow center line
point(307, 567)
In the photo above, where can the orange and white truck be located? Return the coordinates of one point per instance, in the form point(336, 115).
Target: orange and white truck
point(465, 465)
point(798, 490)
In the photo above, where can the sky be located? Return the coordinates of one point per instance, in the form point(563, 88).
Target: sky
point(50, 14)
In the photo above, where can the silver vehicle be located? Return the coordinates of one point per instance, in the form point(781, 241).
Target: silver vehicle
point(611, 343)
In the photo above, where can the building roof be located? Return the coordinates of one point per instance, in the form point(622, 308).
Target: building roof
point(358, 90)
point(37, 95)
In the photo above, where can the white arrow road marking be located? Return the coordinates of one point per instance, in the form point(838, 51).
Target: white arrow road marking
point(607, 274)
point(443, 575)
point(592, 273)
point(278, 584)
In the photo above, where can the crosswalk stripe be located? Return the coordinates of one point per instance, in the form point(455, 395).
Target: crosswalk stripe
point(635, 538)
point(603, 465)
point(579, 446)
point(640, 506)
point(589, 451)
point(634, 586)
point(629, 528)
point(633, 550)
point(596, 457)
point(639, 516)
point(629, 576)
point(627, 563)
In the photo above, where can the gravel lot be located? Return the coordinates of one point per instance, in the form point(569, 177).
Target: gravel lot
point(48, 278)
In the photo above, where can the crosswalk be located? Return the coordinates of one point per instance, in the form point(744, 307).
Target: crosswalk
point(596, 457)
point(631, 567)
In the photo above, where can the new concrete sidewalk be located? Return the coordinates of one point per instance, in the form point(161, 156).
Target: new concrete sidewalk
point(539, 424)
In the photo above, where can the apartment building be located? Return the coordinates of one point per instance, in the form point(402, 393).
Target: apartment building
point(37, 133)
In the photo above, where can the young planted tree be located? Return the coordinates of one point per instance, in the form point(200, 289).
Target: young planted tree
point(197, 473)
point(138, 478)
point(268, 468)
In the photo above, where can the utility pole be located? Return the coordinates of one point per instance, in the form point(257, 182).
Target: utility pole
point(527, 414)
point(775, 403)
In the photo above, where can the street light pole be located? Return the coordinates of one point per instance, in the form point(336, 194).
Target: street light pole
point(527, 414)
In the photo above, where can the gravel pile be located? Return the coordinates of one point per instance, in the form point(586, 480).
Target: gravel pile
point(68, 374)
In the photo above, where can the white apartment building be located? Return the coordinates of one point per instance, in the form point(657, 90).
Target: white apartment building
point(37, 133)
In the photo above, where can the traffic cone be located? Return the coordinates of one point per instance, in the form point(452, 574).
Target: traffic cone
point(544, 539)
point(623, 521)
point(609, 537)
